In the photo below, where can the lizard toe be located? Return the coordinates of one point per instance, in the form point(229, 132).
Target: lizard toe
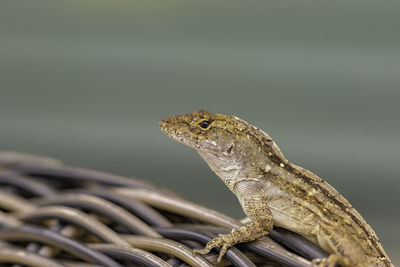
point(222, 252)
point(201, 251)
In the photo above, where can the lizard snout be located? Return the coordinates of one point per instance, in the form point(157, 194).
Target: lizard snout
point(166, 125)
point(163, 123)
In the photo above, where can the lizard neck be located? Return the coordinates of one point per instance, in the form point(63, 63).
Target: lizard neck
point(227, 170)
point(245, 160)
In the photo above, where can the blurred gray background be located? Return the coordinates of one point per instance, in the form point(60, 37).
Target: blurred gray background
point(87, 82)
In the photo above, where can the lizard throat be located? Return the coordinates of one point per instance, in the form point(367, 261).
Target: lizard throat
point(228, 170)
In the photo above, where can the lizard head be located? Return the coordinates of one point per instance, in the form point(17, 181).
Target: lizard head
point(206, 132)
point(228, 144)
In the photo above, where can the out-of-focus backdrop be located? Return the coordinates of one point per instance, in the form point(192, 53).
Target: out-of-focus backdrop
point(87, 81)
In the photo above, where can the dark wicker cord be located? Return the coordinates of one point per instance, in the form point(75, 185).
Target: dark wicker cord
point(31, 233)
point(233, 254)
point(298, 244)
point(143, 211)
point(102, 207)
point(54, 214)
point(25, 183)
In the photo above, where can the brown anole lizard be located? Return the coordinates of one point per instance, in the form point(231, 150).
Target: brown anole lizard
point(273, 191)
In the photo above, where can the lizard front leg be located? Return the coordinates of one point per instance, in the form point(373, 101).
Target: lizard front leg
point(254, 204)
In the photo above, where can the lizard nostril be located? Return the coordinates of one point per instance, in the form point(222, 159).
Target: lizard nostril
point(163, 124)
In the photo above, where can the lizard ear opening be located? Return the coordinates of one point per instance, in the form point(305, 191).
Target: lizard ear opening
point(204, 124)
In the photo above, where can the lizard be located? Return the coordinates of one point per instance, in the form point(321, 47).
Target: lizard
point(274, 192)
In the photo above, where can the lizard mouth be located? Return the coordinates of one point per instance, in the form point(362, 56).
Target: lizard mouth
point(167, 127)
point(173, 130)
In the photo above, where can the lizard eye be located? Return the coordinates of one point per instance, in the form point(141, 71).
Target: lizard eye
point(205, 124)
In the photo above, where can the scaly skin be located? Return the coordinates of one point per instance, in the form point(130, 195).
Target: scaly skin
point(273, 191)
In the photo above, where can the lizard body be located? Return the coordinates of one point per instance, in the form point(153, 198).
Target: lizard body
point(273, 191)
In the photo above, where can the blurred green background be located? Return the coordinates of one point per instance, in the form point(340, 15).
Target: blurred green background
point(87, 82)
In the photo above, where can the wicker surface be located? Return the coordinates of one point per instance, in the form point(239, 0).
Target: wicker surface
point(55, 215)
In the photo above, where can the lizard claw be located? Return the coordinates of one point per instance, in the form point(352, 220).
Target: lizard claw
point(222, 252)
point(223, 240)
point(201, 251)
point(331, 261)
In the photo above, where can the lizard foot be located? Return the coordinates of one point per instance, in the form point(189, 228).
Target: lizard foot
point(223, 241)
point(331, 261)
point(325, 262)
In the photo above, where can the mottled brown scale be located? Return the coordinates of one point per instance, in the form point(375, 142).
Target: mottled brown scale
point(273, 191)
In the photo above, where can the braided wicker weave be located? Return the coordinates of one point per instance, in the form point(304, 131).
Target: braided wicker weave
point(55, 215)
